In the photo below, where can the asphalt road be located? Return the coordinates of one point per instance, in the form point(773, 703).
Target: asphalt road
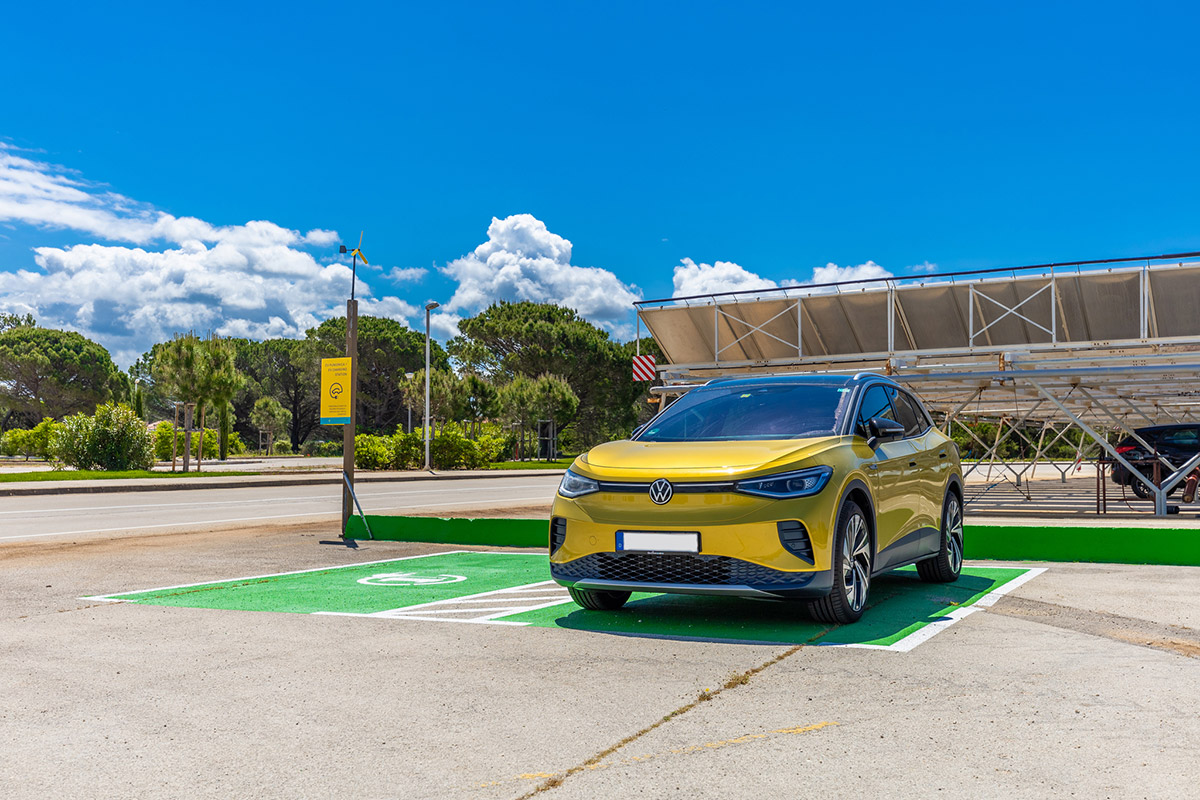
point(133, 513)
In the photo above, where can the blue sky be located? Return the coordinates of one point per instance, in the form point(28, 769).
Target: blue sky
point(774, 138)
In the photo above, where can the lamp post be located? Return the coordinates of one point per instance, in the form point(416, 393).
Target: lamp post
point(428, 307)
point(409, 376)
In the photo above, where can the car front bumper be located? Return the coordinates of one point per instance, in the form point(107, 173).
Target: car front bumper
point(688, 573)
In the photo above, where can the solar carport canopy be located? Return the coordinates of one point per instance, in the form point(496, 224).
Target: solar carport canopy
point(1106, 345)
point(969, 313)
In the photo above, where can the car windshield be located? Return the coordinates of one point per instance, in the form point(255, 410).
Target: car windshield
point(743, 412)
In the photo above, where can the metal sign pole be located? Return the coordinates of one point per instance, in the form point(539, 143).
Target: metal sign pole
point(348, 499)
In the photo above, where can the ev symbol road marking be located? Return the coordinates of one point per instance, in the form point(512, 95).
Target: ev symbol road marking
point(409, 579)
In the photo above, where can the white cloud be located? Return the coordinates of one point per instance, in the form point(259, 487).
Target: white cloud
point(255, 280)
point(407, 274)
point(831, 273)
point(691, 278)
point(924, 266)
point(522, 260)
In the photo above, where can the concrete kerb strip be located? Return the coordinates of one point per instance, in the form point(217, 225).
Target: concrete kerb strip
point(248, 481)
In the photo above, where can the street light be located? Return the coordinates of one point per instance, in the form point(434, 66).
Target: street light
point(409, 376)
point(428, 307)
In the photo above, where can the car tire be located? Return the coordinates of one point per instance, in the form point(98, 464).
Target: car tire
point(1140, 489)
point(851, 567)
point(946, 566)
point(598, 599)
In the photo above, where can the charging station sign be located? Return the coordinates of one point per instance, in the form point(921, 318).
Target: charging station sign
point(335, 391)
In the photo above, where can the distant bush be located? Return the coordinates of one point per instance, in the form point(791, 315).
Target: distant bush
point(372, 452)
point(408, 451)
point(163, 436)
point(451, 449)
point(35, 442)
point(114, 439)
point(492, 447)
point(282, 447)
point(8, 444)
point(324, 449)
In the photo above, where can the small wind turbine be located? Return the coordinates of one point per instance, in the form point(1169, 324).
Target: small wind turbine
point(356, 254)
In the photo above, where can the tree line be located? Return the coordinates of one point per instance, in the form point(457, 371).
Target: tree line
point(513, 365)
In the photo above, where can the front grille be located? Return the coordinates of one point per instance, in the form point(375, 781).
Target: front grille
point(673, 568)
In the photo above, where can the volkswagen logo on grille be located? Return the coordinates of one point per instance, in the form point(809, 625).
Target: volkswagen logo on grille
point(661, 491)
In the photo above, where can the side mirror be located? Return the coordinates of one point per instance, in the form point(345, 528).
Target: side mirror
point(883, 430)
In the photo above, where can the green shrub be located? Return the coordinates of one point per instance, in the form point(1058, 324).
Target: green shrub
point(325, 449)
point(72, 441)
point(408, 451)
point(114, 439)
point(236, 446)
point(372, 452)
point(119, 439)
point(492, 447)
point(8, 444)
point(163, 435)
point(282, 447)
point(450, 449)
point(41, 435)
point(21, 442)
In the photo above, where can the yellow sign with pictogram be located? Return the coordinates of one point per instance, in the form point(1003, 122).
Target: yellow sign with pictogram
point(335, 391)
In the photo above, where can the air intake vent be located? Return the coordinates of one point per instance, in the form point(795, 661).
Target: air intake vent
point(558, 533)
point(794, 537)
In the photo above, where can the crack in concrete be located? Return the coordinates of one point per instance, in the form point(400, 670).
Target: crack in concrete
point(1176, 639)
point(738, 679)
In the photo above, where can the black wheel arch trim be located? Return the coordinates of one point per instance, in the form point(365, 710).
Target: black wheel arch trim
point(860, 485)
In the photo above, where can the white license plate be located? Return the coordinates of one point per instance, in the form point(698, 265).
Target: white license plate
point(658, 542)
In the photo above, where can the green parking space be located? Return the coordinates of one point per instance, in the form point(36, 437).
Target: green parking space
point(513, 588)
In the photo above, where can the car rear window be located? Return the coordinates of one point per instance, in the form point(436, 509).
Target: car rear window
point(730, 413)
point(1181, 437)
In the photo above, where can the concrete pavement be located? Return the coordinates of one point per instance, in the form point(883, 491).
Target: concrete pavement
point(109, 700)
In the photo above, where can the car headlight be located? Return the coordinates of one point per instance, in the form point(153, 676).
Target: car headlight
point(576, 485)
point(787, 485)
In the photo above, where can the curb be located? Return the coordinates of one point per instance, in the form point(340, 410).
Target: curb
point(238, 483)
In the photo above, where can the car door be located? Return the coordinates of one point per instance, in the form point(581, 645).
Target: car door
point(891, 478)
point(931, 465)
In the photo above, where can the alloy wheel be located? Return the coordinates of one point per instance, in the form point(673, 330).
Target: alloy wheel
point(954, 534)
point(856, 562)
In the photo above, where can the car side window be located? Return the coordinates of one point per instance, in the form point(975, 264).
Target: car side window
point(908, 414)
point(874, 404)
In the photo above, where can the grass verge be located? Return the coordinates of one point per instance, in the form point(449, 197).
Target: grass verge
point(93, 475)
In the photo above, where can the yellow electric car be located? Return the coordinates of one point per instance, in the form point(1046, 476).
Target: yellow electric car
point(771, 487)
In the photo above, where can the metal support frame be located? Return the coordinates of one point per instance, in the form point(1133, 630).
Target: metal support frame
point(1052, 330)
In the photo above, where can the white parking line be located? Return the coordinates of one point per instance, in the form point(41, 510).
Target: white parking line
point(927, 632)
point(497, 603)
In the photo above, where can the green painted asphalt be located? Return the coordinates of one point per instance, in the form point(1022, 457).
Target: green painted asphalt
point(338, 590)
point(900, 603)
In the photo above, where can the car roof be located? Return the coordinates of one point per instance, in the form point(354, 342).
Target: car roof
point(1165, 428)
point(816, 379)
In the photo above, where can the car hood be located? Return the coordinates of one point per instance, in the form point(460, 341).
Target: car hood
point(694, 460)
